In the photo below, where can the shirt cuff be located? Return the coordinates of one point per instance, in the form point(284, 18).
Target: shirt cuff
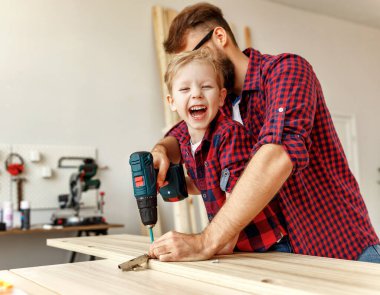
point(293, 144)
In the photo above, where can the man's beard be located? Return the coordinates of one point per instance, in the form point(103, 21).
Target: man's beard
point(228, 71)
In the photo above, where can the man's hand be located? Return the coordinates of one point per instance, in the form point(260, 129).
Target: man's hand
point(175, 246)
point(229, 247)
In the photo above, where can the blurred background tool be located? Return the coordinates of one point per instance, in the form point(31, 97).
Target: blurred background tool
point(79, 182)
point(15, 165)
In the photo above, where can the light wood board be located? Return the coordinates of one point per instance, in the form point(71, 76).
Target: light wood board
point(265, 273)
point(103, 277)
point(22, 285)
point(247, 37)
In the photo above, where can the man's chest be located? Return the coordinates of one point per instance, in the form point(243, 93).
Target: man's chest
point(251, 109)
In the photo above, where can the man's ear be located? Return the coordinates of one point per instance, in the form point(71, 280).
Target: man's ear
point(222, 97)
point(220, 37)
point(171, 103)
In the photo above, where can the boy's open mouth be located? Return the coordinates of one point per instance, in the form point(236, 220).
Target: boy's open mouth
point(197, 111)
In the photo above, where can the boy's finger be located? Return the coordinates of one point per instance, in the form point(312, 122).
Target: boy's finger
point(163, 169)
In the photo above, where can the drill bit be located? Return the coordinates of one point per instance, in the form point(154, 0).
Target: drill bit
point(151, 234)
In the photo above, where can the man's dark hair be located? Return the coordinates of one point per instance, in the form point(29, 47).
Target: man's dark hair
point(201, 15)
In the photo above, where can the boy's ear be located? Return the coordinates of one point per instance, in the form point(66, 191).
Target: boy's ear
point(171, 103)
point(222, 96)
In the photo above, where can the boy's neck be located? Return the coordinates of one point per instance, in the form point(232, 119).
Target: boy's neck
point(196, 136)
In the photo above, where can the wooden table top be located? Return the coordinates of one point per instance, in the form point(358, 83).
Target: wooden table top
point(22, 286)
point(17, 231)
point(104, 277)
point(263, 273)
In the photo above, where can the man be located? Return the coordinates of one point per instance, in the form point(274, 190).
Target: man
point(297, 164)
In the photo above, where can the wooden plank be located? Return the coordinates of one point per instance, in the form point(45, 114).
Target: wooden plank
point(315, 261)
point(21, 285)
point(253, 272)
point(162, 18)
point(247, 37)
point(311, 279)
point(103, 277)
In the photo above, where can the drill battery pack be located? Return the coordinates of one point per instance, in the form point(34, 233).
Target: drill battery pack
point(176, 189)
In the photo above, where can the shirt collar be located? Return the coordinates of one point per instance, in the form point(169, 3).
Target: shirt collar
point(210, 130)
point(236, 101)
point(185, 139)
point(252, 77)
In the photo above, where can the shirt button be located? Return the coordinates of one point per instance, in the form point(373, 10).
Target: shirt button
point(206, 164)
point(281, 110)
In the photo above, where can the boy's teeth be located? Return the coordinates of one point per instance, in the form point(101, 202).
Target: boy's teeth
point(197, 108)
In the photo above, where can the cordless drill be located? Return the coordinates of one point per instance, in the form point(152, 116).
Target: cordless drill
point(144, 178)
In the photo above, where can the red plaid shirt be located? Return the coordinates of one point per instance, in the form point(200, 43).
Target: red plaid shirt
point(282, 103)
point(227, 145)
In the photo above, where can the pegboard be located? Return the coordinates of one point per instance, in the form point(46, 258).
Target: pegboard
point(43, 192)
point(5, 186)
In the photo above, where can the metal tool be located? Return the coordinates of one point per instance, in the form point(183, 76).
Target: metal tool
point(135, 263)
point(19, 184)
point(144, 178)
point(79, 182)
point(15, 169)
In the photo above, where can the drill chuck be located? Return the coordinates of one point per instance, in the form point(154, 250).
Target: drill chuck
point(148, 210)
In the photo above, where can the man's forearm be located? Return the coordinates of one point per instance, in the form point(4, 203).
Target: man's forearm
point(169, 145)
point(262, 178)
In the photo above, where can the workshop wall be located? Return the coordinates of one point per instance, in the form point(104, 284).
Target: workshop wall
point(79, 72)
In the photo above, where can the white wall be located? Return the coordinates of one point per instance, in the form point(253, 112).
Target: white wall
point(84, 72)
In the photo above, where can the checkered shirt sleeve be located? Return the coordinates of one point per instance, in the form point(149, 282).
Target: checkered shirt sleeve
point(291, 104)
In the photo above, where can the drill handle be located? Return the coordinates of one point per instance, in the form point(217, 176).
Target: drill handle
point(176, 189)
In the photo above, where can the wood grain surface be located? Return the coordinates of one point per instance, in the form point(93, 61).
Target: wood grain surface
point(103, 277)
point(263, 273)
point(22, 285)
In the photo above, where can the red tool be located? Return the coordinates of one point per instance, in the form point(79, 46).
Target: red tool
point(14, 169)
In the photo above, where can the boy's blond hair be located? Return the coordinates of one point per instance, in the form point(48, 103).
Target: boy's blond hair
point(203, 55)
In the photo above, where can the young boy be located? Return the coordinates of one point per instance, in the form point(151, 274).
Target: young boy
point(214, 148)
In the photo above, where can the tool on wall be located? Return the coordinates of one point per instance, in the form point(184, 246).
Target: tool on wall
point(14, 168)
point(144, 178)
point(101, 202)
point(15, 165)
point(79, 182)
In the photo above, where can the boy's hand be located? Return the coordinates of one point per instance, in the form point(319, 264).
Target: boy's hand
point(160, 162)
point(175, 246)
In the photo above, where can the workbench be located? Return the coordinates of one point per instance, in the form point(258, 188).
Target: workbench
point(40, 233)
point(242, 273)
point(77, 228)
